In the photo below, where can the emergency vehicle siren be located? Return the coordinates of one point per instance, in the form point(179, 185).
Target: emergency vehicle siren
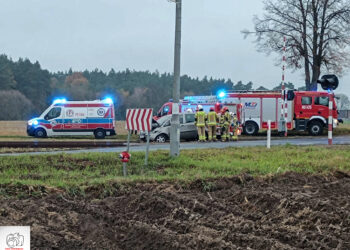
point(59, 100)
point(221, 94)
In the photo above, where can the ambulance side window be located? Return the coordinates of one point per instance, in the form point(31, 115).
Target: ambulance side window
point(306, 100)
point(53, 113)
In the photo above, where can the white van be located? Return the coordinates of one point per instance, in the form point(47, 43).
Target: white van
point(75, 118)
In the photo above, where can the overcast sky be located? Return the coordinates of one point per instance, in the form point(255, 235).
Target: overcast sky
point(139, 34)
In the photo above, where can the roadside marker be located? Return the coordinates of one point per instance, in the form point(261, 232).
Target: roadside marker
point(137, 120)
point(268, 144)
point(330, 121)
point(284, 113)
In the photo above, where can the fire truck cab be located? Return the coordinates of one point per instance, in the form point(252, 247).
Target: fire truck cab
point(311, 111)
point(64, 118)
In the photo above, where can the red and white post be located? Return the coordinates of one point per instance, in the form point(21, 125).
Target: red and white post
point(330, 121)
point(268, 143)
point(284, 101)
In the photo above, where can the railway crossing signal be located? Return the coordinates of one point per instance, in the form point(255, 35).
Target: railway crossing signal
point(329, 83)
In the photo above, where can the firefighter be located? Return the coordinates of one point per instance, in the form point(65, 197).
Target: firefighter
point(225, 124)
point(234, 126)
point(200, 123)
point(212, 119)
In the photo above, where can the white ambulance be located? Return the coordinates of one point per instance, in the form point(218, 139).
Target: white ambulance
point(64, 118)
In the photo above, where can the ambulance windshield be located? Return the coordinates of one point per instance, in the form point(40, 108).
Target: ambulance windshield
point(53, 113)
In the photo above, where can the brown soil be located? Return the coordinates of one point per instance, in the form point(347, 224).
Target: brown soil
point(290, 211)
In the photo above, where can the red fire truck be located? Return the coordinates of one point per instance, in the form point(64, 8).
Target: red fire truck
point(306, 110)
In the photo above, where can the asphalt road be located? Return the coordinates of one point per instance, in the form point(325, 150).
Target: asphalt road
point(137, 147)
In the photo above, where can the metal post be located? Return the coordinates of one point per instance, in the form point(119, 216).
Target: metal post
point(125, 171)
point(330, 120)
point(147, 149)
point(128, 144)
point(175, 123)
point(268, 134)
point(284, 111)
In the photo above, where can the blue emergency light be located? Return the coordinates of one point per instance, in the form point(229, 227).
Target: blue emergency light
point(108, 100)
point(221, 94)
point(60, 100)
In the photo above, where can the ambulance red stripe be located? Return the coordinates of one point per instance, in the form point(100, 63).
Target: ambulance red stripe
point(107, 113)
point(81, 105)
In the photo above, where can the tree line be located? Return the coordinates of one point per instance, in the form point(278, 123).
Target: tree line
point(26, 89)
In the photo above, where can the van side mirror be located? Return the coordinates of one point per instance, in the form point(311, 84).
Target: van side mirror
point(290, 95)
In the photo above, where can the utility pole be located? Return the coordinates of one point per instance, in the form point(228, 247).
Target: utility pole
point(175, 122)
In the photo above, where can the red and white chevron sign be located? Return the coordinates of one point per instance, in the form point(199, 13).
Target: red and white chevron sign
point(139, 119)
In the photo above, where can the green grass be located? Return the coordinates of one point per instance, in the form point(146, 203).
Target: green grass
point(76, 173)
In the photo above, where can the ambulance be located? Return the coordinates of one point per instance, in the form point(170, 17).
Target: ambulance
point(67, 118)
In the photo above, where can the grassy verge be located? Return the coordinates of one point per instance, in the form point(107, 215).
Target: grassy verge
point(83, 171)
point(25, 150)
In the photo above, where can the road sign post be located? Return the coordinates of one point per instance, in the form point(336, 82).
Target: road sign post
point(330, 121)
point(139, 120)
point(128, 145)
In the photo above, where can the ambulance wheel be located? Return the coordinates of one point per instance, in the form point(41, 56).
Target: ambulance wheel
point(100, 133)
point(40, 133)
point(315, 128)
point(250, 128)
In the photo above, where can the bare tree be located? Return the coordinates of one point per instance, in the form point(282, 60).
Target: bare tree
point(343, 102)
point(317, 32)
point(14, 105)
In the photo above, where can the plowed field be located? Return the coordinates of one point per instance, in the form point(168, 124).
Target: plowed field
point(289, 211)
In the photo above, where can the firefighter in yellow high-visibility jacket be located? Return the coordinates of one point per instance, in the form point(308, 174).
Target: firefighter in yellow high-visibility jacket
point(212, 119)
point(225, 124)
point(200, 123)
point(234, 126)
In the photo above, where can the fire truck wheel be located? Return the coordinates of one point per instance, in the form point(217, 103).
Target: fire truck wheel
point(315, 128)
point(162, 138)
point(100, 133)
point(40, 133)
point(250, 128)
